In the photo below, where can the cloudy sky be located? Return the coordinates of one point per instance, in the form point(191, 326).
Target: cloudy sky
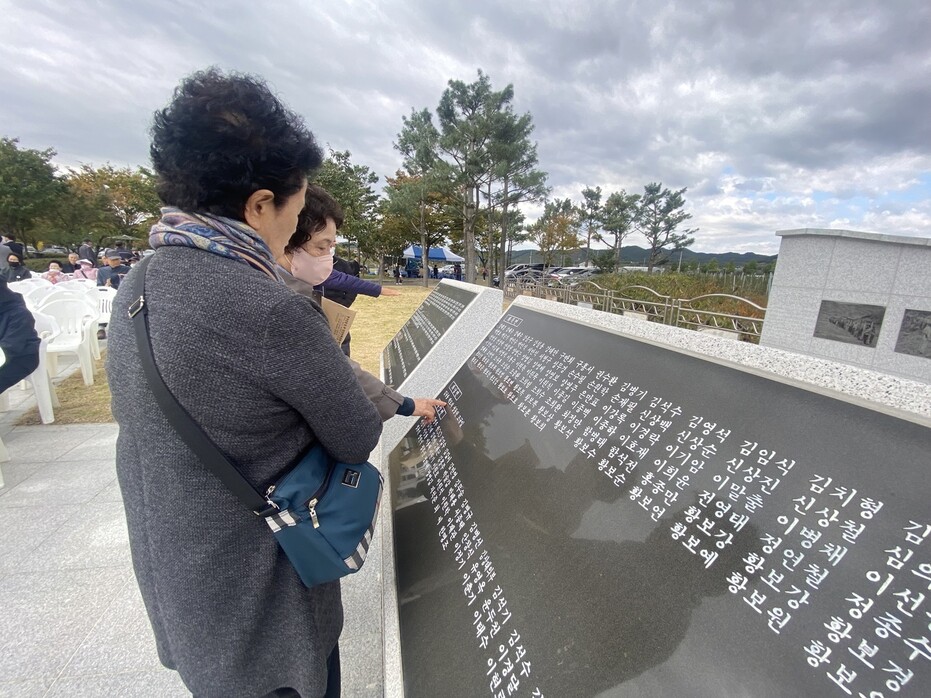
point(774, 115)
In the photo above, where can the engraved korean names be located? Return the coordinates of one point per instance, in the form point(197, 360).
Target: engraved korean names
point(780, 533)
point(422, 331)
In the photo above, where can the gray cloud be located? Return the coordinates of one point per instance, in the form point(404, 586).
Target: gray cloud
point(751, 106)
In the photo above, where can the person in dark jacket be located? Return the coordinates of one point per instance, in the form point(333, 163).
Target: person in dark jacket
point(112, 274)
point(256, 367)
point(18, 338)
point(71, 265)
point(16, 248)
point(86, 251)
point(17, 271)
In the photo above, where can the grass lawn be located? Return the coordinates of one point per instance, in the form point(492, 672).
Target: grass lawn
point(377, 321)
point(80, 404)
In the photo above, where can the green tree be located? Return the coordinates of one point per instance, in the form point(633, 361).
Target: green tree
point(479, 147)
point(352, 186)
point(591, 212)
point(605, 260)
point(467, 120)
point(28, 187)
point(428, 213)
point(557, 230)
point(618, 216)
point(658, 216)
point(414, 196)
point(74, 215)
point(514, 163)
point(750, 267)
point(388, 238)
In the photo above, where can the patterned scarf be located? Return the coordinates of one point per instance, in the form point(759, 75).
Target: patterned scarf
point(222, 236)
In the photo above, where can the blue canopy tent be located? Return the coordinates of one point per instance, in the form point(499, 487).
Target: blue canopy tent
point(437, 254)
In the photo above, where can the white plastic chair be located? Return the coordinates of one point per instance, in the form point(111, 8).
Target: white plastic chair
point(88, 297)
point(26, 285)
point(77, 284)
point(42, 385)
point(37, 294)
point(75, 318)
point(105, 296)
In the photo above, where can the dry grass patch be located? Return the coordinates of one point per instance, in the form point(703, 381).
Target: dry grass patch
point(380, 319)
point(80, 404)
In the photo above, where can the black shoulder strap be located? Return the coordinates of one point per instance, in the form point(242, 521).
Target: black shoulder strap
point(182, 422)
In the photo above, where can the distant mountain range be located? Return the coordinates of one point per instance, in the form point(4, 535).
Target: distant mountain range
point(638, 256)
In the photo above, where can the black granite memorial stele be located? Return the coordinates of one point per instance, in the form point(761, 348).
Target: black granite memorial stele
point(597, 515)
point(434, 317)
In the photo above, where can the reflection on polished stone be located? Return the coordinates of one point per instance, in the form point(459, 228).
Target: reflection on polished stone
point(596, 515)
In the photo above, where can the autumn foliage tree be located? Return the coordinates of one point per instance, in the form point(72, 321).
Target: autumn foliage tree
point(556, 230)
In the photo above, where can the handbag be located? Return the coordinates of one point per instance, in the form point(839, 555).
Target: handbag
point(322, 512)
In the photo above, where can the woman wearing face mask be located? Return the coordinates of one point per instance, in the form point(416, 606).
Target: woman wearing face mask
point(308, 262)
point(17, 271)
point(54, 273)
point(322, 210)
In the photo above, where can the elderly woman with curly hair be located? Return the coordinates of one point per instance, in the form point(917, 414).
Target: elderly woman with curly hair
point(255, 365)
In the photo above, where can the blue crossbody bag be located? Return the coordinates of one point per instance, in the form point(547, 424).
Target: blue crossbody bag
point(322, 512)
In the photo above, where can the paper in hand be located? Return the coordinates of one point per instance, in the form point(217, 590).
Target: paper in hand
point(340, 318)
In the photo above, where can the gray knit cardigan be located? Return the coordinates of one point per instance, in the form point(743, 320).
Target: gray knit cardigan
point(256, 366)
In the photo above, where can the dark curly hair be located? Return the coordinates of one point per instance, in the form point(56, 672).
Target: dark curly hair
point(319, 205)
point(224, 137)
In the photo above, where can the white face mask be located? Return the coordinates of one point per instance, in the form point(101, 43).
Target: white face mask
point(310, 269)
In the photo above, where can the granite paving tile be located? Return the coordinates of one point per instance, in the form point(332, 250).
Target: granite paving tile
point(20, 535)
point(14, 472)
point(97, 537)
point(122, 642)
point(45, 616)
point(61, 483)
point(33, 688)
point(154, 684)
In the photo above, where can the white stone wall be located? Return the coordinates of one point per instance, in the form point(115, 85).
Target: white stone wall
point(849, 267)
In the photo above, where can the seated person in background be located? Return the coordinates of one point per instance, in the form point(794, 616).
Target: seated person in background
point(113, 273)
point(18, 338)
point(17, 270)
point(85, 270)
point(307, 262)
point(71, 265)
point(54, 273)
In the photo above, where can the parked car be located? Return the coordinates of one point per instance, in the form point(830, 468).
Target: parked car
point(448, 271)
point(579, 272)
point(574, 275)
point(523, 275)
point(53, 251)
